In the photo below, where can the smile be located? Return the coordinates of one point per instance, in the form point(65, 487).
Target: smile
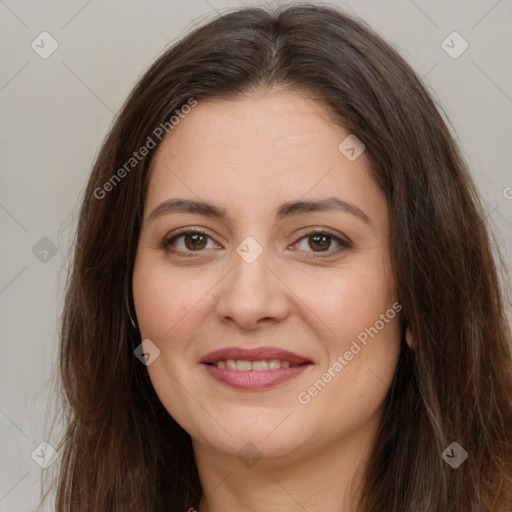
point(253, 369)
point(256, 366)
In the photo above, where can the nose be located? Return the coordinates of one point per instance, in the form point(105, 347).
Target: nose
point(252, 294)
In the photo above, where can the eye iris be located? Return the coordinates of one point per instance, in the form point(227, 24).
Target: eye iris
point(325, 244)
point(195, 237)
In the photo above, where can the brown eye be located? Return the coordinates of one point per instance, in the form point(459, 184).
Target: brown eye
point(187, 242)
point(321, 242)
point(192, 241)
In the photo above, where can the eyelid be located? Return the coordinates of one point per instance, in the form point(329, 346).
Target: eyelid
point(168, 239)
point(343, 241)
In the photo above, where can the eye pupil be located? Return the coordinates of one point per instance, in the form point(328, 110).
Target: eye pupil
point(195, 237)
point(316, 240)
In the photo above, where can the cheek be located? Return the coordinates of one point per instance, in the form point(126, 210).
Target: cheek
point(353, 300)
point(364, 316)
point(359, 323)
point(361, 350)
point(164, 306)
point(165, 301)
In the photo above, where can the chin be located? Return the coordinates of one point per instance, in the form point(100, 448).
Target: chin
point(254, 439)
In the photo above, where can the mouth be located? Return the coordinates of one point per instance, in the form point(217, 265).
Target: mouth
point(255, 355)
point(253, 369)
point(243, 365)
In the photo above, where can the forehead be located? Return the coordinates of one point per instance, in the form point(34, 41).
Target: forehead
point(258, 150)
point(243, 127)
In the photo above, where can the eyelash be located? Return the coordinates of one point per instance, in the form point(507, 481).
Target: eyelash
point(344, 244)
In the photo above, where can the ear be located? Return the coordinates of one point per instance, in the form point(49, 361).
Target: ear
point(409, 339)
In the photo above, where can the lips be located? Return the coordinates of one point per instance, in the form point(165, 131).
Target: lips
point(256, 354)
point(255, 369)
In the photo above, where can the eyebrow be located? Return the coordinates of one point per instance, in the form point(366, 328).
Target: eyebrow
point(286, 210)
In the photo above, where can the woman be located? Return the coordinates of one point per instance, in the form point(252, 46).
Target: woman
point(283, 293)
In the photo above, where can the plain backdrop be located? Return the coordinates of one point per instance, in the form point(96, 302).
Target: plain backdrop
point(55, 111)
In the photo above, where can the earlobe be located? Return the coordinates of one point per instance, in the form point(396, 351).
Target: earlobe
point(409, 339)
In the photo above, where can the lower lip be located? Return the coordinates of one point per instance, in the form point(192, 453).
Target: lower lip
point(251, 380)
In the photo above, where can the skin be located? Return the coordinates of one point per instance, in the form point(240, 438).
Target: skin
point(249, 156)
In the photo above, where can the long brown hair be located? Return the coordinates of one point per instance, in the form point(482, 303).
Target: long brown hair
point(120, 450)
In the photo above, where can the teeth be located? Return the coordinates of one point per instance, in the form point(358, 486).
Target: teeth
point(243, 366)
point(274, 364)
point(259, 366)
point(230, 364)
point(256, 366)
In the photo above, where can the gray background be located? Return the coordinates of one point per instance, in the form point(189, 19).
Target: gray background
point(56, 111)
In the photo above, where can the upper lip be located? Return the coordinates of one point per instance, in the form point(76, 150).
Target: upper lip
point(254, 354)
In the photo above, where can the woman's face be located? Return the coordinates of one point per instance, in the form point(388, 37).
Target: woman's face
point(262, 279)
